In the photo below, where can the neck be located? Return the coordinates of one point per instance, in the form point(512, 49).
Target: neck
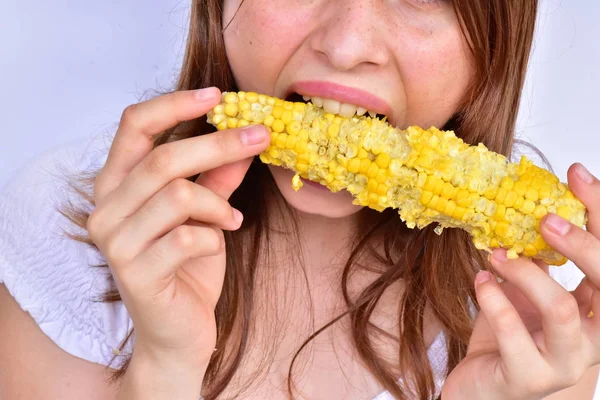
point(326, 242)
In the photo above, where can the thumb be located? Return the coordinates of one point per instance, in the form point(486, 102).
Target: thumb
point(225, 179)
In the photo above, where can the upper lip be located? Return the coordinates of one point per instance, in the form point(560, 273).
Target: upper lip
point(343, 94)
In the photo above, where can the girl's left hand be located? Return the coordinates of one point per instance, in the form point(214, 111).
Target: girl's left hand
point(532, 337)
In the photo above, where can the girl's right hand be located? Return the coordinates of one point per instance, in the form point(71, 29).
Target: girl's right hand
point(160, 233)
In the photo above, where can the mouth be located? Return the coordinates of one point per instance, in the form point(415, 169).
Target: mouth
point(345, 101)
point(332, 106)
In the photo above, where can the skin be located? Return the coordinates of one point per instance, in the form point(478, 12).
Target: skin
point(162, 235)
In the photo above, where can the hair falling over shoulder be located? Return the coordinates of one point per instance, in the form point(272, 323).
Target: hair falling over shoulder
point(436, 271)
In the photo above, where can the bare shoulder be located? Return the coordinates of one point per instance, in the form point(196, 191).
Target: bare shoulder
point(34, 367)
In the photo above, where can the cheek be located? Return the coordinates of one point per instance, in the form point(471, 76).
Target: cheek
point(436, 75)
point(259, 41)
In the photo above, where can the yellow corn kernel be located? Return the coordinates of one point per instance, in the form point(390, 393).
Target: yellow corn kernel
point(447, 190)
point(528, 207)
point(291, 141)
point(564, 212)
point(511, 197)
point(439, 186)
point(293, 128)
point(365, 163)
point(540, 212)
point(462, 198)
point(459, 213)
point(502, 229)
point(520, 187)
point(491, 193)
point(372, 185)
point(232, 123)
point(532, 194)
point(231, 109)
point(426, 197)
point(450, 208)
point(383, 160)
point(281, 140)
point(500, 212)
point(373, 170)
point(333, 130)
point(278, 126)
point(501, 197)
point(507, 183)
point(354, 165)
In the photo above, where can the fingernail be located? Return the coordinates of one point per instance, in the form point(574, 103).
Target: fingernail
point(583, 174)
point(238, 216)
point(557, 225)
point(205, 94)
point(253, 134)
point(481, 277)
point(500, 256)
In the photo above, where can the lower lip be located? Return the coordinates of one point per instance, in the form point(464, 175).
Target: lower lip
point(313, 184)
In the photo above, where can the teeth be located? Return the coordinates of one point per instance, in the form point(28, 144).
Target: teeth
point(331, 106)
point(347, 110)
point(335, 107)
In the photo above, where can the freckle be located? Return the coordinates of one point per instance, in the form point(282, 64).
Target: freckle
point(251, 43)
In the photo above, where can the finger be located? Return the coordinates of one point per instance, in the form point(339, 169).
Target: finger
point(182, 158)
point(578, 245)
point(224, 180)
point(543, 266)
point(594, 315)
point(587, 188)
point(583, 295)
point(558, 308)
point(517, 348)
point(140, 123)
point(163, 258)
point(178, 202)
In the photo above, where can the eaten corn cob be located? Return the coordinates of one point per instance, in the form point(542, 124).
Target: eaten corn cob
point(428, 175)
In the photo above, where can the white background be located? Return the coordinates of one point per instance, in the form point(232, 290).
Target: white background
point(68, 68)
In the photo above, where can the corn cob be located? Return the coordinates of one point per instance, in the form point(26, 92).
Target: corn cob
point(430, 176)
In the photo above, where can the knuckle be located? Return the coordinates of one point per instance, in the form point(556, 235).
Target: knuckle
point(130, 118)
point(115, 251)
point(183, 237)
point(507, 319)
point(92, 225)
point(179, 192)
point(159, 160)
point(572, 375)
point(563, 309)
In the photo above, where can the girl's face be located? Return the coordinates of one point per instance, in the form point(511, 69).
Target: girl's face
point(406, 59)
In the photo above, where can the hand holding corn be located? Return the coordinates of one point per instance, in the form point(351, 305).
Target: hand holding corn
point(430, 176)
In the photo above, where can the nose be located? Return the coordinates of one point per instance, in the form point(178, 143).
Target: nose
point(350, 34)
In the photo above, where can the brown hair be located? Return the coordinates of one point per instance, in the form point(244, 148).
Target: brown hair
point(436, 271)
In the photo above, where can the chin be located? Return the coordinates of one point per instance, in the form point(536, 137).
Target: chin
point(313, 199)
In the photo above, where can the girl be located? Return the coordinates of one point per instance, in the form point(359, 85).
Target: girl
point(239, 287)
